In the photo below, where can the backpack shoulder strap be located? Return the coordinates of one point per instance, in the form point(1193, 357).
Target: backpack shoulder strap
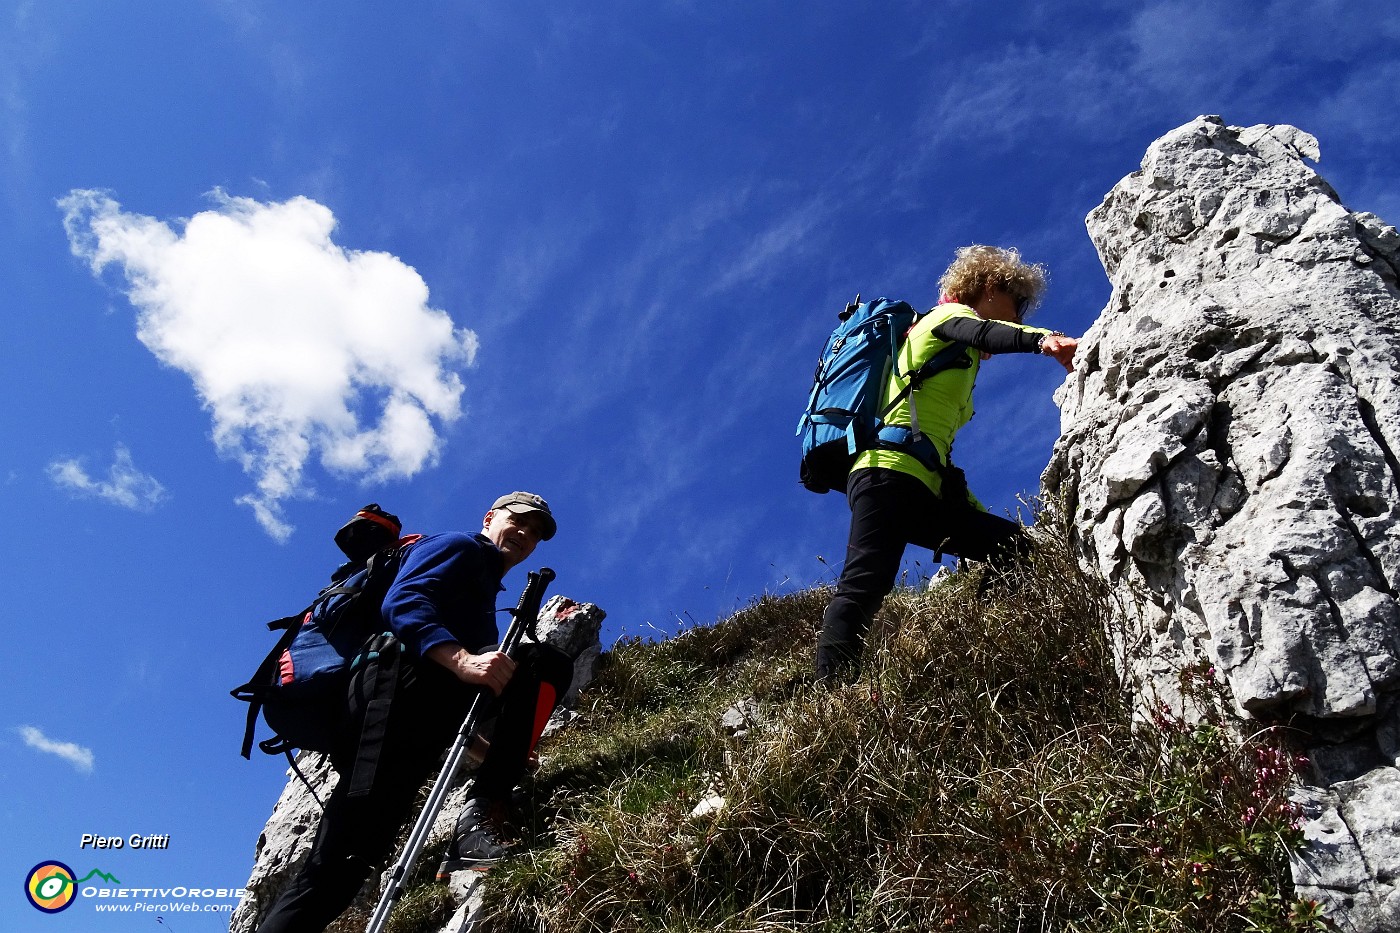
point(953, 356)
point(382, 659)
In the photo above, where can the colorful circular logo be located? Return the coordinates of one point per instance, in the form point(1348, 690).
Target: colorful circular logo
point(50, 887)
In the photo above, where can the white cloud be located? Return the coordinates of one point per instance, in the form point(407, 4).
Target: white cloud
point(298, 347)
point(76, 755)
point(125, 485)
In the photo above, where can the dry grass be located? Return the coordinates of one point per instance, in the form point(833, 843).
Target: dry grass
point(985, 774)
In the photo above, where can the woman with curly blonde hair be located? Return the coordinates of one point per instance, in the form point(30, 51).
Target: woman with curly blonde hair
point(905, 489)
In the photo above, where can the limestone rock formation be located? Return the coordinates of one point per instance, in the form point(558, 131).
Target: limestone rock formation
point(1228, 457)
point(285, 841)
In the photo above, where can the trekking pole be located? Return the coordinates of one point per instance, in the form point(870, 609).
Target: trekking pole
point(523, 619)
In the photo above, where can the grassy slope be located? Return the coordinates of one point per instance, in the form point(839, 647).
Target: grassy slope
point(985, 773)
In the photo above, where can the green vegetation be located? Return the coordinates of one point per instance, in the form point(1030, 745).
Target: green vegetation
point(985, 774)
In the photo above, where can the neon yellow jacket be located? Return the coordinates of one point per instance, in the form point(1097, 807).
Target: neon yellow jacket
point(944, 401)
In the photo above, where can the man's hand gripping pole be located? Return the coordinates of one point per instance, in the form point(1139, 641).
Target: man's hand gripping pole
point(521, 623)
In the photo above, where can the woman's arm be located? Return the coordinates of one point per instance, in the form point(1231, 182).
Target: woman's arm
point(999, 337)
point(989, 336)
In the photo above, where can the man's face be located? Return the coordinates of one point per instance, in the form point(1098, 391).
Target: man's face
point(515, 535)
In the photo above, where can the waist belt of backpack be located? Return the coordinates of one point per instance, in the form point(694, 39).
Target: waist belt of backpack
point(905, 440)
point(953, 485)
point(380, 662)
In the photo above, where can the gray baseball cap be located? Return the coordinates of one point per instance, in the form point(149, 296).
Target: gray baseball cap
point(523, 502)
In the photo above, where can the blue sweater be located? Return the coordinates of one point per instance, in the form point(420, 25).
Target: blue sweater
point(445, 592)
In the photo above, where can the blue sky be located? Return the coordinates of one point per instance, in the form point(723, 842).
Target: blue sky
point(263, 263)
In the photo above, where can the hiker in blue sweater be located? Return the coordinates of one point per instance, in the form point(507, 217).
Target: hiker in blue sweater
point(442, 608)
point(914, 495)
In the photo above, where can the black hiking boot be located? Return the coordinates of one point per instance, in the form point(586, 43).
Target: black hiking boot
point(479, 840)
point(836, 666)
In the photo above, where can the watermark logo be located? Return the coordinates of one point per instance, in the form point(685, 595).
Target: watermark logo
point(51, 886)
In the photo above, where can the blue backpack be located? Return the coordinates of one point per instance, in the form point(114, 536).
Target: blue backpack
point(843, 415)
point(300, 686)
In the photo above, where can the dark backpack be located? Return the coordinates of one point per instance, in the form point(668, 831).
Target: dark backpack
point(843, 415)
point(300, 687)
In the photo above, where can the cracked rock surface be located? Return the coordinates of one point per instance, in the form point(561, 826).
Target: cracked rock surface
point(1228, 456)
point(285, 842)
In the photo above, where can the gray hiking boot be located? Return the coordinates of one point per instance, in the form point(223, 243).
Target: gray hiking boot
point(479, 840)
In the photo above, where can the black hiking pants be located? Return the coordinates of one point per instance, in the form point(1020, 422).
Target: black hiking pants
point(890, 510)
point(357, 833)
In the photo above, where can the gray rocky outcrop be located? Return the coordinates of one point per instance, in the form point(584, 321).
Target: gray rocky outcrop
point(285, 841)
point(1228, 458)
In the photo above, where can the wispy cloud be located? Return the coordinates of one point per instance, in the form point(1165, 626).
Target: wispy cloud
point(775, 245)
point(1179, 45)
point(125, 485)
point(1017, 97)
point(298, 347)
point(23, 43)
point(76, 755)
point(1201, 47)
